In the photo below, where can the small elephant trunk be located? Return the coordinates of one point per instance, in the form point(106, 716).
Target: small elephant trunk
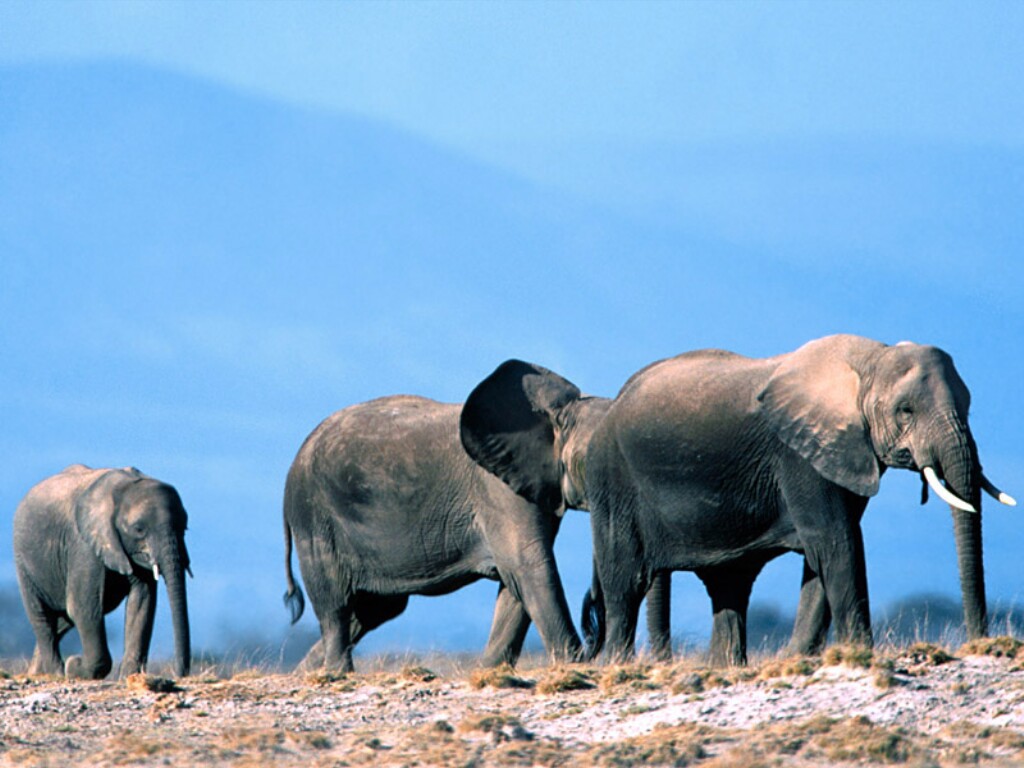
point(172, 569)
point(962, 473)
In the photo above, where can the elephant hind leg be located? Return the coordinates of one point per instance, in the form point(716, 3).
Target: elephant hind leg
point(48, 627)
point(336, 633)
point(729, 588)
point(508, 630)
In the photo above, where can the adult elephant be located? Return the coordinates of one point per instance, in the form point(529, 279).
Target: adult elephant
point(383, 502)
point(716, 463)
point(86, 539)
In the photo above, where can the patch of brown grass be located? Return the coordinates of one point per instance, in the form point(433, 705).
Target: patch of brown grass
point(498, 677)
point(565, 679)
point(926, 655)
point(676, 745)
point(500, 727)
point(794, 666)
point(825, 740)
point(417, 674)
point(690, 680)
point(856, 656)
point(1007, 741)
point(130, 747)
point(633, 677)
point(858, 739)
point(143, 682)
point(992, 646)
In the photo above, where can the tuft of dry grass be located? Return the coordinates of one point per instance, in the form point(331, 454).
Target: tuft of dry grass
point(856, 656)
point(564, 679)
point(498, 677)
point(857, 738)
point(794, 666)
point(926, 655)
point(143, 682)
point(826, 740)
point(1003, 645)
point(634, 677)
point(417, 674)
point(322, 679)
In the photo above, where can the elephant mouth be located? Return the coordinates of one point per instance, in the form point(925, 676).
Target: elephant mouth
point(902, 458)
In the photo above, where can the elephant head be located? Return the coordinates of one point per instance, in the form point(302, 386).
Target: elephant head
point(852, 407)
point(530, 428)
point(135, 524)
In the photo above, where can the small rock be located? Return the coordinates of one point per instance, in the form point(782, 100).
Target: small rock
point(39, 702)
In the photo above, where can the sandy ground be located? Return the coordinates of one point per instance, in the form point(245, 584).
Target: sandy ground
point(913, 707)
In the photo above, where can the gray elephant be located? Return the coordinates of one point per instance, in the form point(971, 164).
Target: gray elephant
point(383, 502)
point(86, 539)
point(716, 463)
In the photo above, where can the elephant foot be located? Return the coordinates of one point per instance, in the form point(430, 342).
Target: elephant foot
point(45, 665)
point(75, 668)
point(131, 667)
point(313, 661)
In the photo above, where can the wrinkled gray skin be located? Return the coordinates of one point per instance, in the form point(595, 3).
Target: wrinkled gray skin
point(383, 503)
point(717, 463)
point(86, 539)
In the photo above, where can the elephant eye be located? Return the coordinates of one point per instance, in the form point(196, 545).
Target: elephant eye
point(904, 413)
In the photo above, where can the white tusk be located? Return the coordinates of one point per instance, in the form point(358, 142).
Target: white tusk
point(995, 493)
point(944, 493)
point(156, 572)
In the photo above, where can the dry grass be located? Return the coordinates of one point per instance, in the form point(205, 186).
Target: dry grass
point(792, 666)
point(564, 679)
point(847, 655)
point(499, 677)
point(992, 646)
point(402, 712)
point(151, 683)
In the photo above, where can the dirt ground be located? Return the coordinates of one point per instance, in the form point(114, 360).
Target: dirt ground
point(921, 705)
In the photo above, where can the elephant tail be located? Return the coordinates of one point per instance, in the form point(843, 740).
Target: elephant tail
point(592, 619)
point(293, 598)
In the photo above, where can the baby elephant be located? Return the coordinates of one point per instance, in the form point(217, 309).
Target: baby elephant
point(85, 539)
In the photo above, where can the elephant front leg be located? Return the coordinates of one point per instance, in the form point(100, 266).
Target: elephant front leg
point(508, 630)
point(813, 617)
point(535, 581)
point(140, 608)
point(95, 662)
point(840, 565)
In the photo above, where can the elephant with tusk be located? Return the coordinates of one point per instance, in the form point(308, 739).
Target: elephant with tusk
point(84, 541)
point(716, 463)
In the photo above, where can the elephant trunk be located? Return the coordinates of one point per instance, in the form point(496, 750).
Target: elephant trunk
point(172, 564)
point(958, 459)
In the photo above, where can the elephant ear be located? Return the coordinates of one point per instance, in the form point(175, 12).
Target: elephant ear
point(95, 510)
point(508, 427)
point(812, 403)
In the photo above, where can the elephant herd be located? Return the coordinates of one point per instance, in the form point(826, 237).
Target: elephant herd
point(707, 462)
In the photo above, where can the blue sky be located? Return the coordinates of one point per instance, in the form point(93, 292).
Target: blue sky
point(223, 221)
